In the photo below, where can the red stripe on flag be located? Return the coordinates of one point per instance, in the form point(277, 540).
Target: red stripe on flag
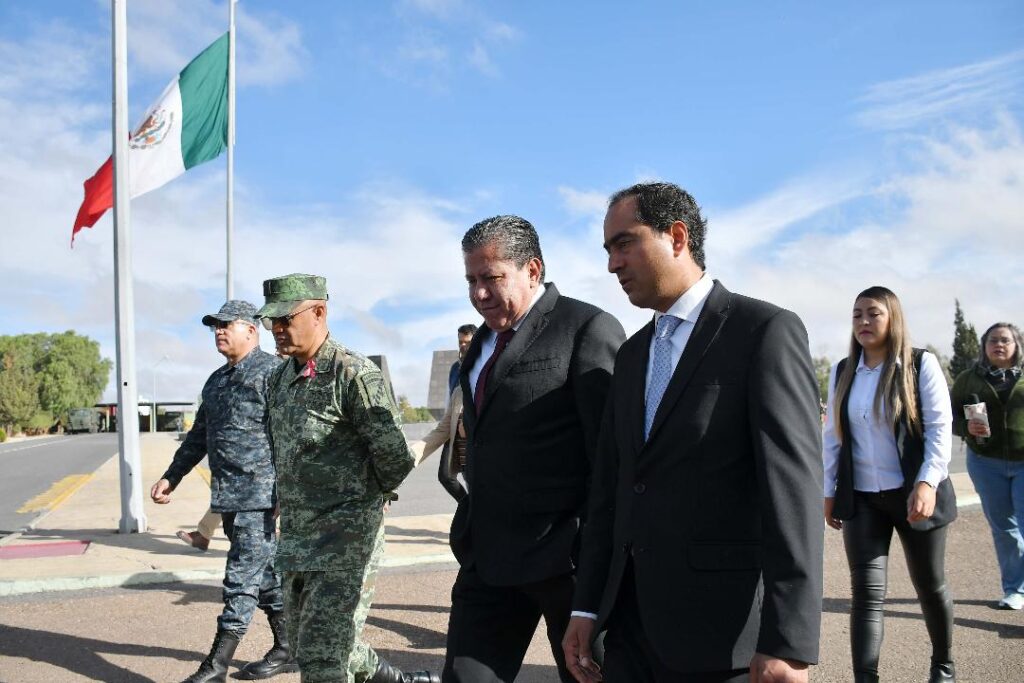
point(99, 196)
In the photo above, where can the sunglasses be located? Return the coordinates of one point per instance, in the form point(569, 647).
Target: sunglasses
point(283, 320)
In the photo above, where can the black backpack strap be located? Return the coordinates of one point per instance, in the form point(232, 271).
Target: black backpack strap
point(839, 370)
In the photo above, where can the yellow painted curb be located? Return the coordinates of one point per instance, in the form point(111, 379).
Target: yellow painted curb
point(56, 494)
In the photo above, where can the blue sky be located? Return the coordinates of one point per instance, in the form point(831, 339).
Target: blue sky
point(832, 146)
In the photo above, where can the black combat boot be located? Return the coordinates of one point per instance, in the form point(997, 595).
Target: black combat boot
point(214, 668)
point(942, 672)
point(389, 674)
point(278, 660)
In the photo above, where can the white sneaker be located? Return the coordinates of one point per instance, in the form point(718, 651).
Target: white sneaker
point(1012, 601)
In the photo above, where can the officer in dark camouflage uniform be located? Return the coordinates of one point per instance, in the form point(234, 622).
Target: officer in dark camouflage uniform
point(231, 430)
point(340, 453)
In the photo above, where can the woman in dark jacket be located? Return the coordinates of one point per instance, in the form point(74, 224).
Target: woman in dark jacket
point(887, 446)
point(995, 453)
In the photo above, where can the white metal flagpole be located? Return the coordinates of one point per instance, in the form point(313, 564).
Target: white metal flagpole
point(133, 517)
point(231, 147)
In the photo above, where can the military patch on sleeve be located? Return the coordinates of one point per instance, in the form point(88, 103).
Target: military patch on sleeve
point(372, 390)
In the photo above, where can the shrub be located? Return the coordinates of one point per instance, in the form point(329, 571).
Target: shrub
point(3, 435)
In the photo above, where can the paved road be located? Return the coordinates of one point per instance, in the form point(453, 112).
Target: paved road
point(48, 467)
point(160, 633)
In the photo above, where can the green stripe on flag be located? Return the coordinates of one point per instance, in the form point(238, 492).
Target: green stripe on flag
point(204, 104)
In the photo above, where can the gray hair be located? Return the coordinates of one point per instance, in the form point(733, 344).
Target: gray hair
point(659, 205)
point(515, 238)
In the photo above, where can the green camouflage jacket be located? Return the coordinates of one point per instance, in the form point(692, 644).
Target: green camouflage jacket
point(339, 451)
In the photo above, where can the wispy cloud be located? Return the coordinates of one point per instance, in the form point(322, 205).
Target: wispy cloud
point(435, 40)
point(907, 102)
point(163, 38)
point(763, 221)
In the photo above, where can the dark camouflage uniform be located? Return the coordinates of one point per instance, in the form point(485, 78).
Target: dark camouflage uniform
point(340, 451)
point(231, 430)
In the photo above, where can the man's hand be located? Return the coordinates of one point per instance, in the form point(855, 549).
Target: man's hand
point(830, 504)
point(766, 669)
point(576, 647)
point(161, 492)
point(921, 503)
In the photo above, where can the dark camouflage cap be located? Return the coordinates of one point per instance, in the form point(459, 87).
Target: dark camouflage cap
point(283, 292)
point(236, 309)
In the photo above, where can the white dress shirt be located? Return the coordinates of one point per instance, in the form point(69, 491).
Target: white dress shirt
point(687, 308)
point(488, 343)
point(876, 457)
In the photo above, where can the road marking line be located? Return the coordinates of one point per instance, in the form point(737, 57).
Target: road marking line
point(204, 473)
point(56, 494)
point(48, 442)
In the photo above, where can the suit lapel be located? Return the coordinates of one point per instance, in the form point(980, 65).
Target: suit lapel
point(472, 354)
point(531, 327)
point(708, 325)
point(635, 370)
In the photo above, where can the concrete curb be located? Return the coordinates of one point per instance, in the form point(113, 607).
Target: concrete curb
point(26, 586)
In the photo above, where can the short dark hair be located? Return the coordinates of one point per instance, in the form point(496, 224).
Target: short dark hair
point(659, 205)
point(515, 238)
point(468, 328)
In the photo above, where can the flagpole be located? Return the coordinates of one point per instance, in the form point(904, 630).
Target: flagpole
point(231, 147)
point(133, 517)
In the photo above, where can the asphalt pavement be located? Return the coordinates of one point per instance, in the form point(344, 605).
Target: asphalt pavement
point(39, 472)
point(143, 607)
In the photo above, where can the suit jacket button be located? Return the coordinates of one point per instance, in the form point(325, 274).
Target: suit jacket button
point(639, 488)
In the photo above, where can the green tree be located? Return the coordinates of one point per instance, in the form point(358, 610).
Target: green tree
point(71, 372)
point(67, 370)
point(822, 368)
point(965, 343)
point(412, 414)
point(19, 391)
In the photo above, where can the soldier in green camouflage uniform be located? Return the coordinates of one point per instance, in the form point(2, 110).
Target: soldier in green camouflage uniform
point(340, 453)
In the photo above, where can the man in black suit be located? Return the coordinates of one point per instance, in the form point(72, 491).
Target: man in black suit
point(702, 552)
point(534, 382)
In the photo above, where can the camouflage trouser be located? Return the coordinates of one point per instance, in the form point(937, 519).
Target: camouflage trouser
point(326, 614)
point(249, 577)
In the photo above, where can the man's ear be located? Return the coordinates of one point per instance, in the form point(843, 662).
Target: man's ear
point(680, 237)
point(535, 268)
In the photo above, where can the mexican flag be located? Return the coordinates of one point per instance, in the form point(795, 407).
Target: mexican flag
point(186, 126)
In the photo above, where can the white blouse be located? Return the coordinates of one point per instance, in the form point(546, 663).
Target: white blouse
point(876, 458)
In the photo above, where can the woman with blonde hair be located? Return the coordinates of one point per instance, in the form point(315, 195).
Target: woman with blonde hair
point(887, 446)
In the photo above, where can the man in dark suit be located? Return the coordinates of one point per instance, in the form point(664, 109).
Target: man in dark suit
point(702, 552)
point(534, 382)
point(466, 333)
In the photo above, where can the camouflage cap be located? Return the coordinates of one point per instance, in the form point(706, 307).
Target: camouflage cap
point(283, 292)
point(234, 309)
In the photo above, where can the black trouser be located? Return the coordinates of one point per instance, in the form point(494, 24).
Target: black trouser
point(867, 537)
point(628, 655)
point(491, 627)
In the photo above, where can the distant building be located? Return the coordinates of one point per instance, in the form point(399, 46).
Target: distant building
point(437, 394)
point(382, 363)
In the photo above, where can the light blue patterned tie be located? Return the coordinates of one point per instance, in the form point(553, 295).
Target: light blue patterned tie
point(661, 367)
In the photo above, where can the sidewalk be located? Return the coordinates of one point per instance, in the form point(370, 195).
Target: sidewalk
point(87, 520)
point(76, 545)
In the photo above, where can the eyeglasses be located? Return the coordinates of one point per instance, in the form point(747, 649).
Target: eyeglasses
point(994, 341)
point(283, 320)
point(222, 324)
